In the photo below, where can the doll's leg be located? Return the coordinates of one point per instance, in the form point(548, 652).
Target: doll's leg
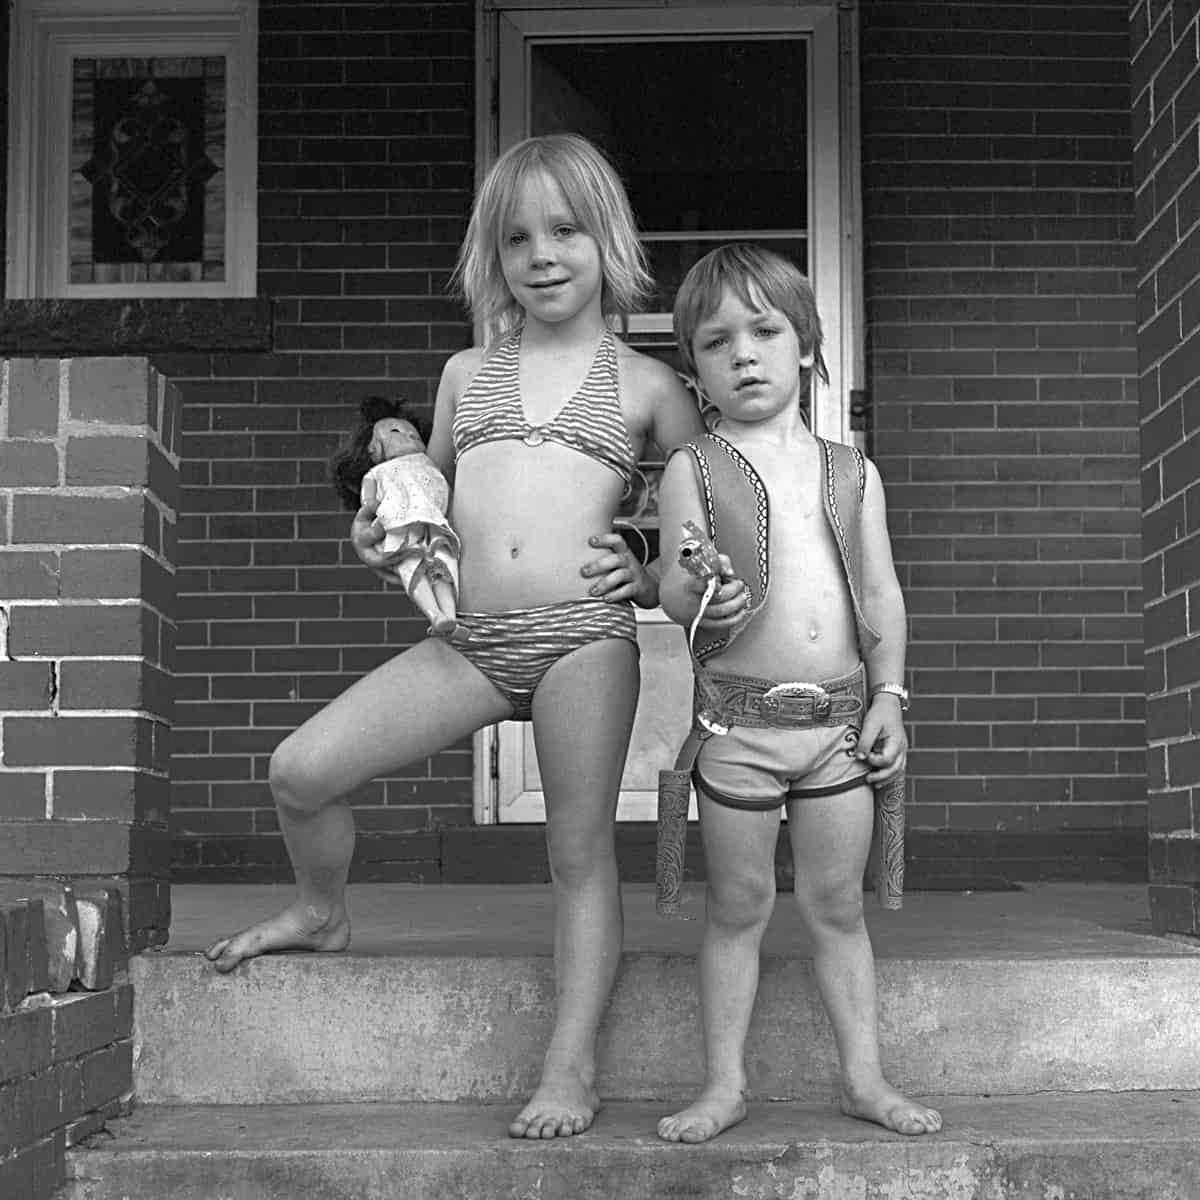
point(408, 708)
point(582, 716)
point(443, 571)
point(425, 588)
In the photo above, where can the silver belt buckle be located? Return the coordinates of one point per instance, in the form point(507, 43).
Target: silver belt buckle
point(770, 703)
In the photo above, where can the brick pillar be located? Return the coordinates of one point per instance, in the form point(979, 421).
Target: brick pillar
point(1165, 87)
point(89, 478)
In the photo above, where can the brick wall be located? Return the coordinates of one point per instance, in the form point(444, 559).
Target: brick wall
point(88, 480)
point(365, 177)
point(1002, 375)
point(66, 1057)
point(1166, 130)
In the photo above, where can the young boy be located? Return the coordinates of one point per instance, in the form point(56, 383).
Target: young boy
point(807, 597)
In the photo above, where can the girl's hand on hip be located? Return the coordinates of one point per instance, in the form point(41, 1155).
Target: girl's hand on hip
point(617, 574)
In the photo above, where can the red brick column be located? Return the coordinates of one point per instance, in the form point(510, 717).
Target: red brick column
point(89, 475)
point(1166, 105)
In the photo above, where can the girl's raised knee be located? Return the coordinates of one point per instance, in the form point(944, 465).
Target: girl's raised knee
point(291, 781)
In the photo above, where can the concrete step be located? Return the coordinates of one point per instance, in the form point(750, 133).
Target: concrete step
point(473, 1027)
point(1048, 1147)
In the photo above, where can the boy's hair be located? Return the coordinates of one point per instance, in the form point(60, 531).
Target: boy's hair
point(352, 460)
point(756, 277)
point(591, 186)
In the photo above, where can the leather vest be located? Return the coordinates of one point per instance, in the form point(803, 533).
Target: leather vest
point(738, 513)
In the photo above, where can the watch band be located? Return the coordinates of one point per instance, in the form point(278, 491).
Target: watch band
point(893, 689)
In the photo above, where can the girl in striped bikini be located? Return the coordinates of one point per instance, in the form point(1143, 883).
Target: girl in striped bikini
point(539, 432)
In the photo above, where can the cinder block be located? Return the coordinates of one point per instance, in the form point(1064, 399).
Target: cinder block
point(29, 574)
point(16, 1177)
point(106, 1075)
point(111, 795)
point(111, 391)
point(48, 1165)
point(108, 461)
point(14, 982)
point(16, 1117)
point(93, 1122)
point(64, 848)
point(102, 574)
point(29, 464)
point(163, 478)
point(60, 927)
point(32, 397)
point(101, 937)
point(55, 519)
point(25, 685)
point(22, 793)
point(104, 683)
point(68, 741)
point(37, 961)
point(24, 1042)
point(80, 630)
point(82, 1023)
point(70, 1089)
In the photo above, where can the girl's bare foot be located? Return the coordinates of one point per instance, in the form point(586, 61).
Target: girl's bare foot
point(442, 625)
point(889, 1108)
point(562, 1106)
point(298, 927)
point(713, 1111)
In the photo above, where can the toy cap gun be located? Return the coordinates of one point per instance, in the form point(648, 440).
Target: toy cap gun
point(697, 554)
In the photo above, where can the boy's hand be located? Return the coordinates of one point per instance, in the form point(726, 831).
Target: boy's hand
point(883, 744)
point(729, 602)
point(617, 574)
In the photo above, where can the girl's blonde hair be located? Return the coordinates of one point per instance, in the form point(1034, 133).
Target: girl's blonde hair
point(591, 186)
point(756, 277)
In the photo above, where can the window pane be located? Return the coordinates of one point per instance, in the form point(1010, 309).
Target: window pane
point(147, 182)
point(671, 258)
point(709, 134)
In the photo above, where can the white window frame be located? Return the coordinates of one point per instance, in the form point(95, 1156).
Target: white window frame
point(46, 36)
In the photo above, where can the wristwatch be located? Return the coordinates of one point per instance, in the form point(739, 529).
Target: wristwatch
point(893, 689)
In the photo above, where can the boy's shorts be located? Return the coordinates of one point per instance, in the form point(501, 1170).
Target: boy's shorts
point(762, 769)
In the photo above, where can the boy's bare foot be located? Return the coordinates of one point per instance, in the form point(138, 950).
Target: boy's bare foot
point(889, 1108)
point(443, 626)
point(712, 1112)
point(298, 927)
point(561, 1107)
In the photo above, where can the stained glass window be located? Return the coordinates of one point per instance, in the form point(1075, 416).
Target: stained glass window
point(148, 184)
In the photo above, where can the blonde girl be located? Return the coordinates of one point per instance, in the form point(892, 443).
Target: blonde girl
point(539, 433)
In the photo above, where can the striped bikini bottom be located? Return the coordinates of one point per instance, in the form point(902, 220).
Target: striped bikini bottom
point(515, 649)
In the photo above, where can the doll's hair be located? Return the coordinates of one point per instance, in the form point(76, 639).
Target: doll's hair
point(352, 460)
point(593, 189)
point(758, 278)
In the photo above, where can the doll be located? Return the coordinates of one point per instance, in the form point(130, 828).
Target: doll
point(385, 459)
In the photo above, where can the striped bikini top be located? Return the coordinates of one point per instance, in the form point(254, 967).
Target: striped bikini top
point(590, 421)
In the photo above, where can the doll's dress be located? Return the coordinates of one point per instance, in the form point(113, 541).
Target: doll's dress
point(412, 496)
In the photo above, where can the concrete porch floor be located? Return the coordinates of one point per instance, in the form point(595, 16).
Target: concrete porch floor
point(1041, 919)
